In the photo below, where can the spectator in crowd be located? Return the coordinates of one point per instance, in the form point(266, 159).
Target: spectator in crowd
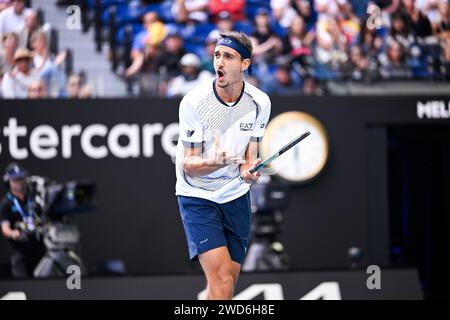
point(15, 82)
point(31, 26)
point(75, 89)
point(37, 90)
point(445, 56)
point(331, 48)
point(224, 24)
point(283, 12)
point(190, 76)
point(206, 62)
point(283, 82)
point(9, 46)
point(442, 23)
point(330, 8)
point(310, 87)
point(416, 20)
point(151, 22)
point(151, 37)
point(49, 69)
point(235, 8)
point(151, 82)
point(357, 68)
point(371, 41)
point(400, 31)
point(73, 86)
point(394, 63)
point(169, 57)
point(194, 10)
point(85, 92)
point(266, 44)
point(304, 10)
point(298, 41)
point(12, 19)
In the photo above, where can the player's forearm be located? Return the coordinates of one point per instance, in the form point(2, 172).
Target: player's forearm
point(195, 166)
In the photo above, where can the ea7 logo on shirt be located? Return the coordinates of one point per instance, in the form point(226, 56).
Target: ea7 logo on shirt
point(246, 126)
point(189, 133)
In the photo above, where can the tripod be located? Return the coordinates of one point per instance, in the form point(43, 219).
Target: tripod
point(266, 253)
point(61, 240)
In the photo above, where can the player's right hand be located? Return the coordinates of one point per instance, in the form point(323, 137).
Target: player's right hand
point(222, 158)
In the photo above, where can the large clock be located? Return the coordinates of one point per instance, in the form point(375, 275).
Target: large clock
point(304, 161)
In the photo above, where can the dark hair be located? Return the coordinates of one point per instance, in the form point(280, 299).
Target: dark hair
point(239, 37)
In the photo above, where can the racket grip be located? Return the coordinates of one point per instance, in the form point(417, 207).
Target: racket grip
point(233, 184)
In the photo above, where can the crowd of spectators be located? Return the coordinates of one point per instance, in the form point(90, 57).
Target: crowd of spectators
point(297, 44)
point(27, 67)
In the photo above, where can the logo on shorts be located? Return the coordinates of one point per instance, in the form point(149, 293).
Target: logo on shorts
point(189, 133)
point(246, 126)
point(204, 241)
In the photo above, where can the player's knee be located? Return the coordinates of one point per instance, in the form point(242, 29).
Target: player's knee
point(224, 279)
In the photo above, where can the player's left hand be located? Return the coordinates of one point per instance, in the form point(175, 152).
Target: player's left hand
point(247, 176)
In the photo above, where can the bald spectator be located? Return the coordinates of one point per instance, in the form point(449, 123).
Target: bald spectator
point(37, 90)
point(15, 83)
point(12, 19)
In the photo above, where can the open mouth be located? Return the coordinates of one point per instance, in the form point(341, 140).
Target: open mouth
point(220, 75)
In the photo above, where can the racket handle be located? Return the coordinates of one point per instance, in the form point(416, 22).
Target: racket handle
point(233, 184)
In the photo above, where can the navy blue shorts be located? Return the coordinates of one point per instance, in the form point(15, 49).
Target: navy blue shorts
point(209, 225)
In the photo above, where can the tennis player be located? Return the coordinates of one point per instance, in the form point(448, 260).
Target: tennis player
point(221, 123)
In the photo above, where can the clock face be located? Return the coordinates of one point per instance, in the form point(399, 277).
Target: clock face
point(303, 161)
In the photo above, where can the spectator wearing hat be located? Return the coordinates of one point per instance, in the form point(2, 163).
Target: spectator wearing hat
point(235, 8)
point(12, 19)
point(190, 77)
point(15, 83)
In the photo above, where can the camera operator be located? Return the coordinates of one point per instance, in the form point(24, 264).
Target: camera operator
point(20, 222)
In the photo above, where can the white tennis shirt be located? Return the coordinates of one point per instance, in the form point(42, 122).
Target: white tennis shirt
point(203, 116)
